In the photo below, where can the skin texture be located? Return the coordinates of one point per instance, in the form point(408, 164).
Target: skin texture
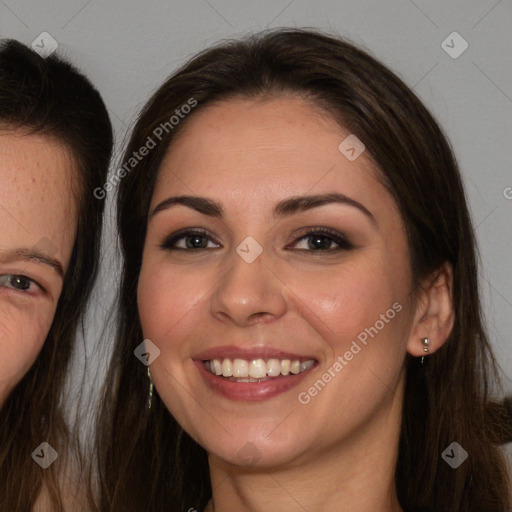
point(37, 216)
point(248, 155)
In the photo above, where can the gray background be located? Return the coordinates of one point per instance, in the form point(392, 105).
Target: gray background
point(127, 49)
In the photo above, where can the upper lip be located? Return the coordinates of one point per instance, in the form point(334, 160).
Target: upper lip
point(249, 353)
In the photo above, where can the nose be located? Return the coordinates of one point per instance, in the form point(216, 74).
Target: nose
point(249, 293)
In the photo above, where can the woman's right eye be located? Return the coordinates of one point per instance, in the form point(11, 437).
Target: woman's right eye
point(188, 239)
point(18, 282)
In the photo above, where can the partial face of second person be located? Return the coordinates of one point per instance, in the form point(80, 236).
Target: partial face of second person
point(306, 297)
point(38, 224)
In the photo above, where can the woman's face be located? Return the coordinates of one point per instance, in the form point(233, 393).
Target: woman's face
point(37, 219)
point(268, 285)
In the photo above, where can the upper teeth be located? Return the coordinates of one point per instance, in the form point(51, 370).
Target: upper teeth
point(256, 368)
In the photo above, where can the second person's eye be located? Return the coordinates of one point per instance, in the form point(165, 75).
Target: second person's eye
point(18, 282)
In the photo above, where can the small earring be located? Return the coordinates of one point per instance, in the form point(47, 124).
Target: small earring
point(150, 389)
point(425, 342)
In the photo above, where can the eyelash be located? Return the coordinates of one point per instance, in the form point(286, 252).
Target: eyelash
point(5, 281)
point(344, 245)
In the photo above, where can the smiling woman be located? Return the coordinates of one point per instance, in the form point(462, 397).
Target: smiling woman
point(55, 145)
point(296, 236)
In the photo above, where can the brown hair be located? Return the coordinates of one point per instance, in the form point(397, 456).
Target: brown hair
point(50, 97)
point(147, 462)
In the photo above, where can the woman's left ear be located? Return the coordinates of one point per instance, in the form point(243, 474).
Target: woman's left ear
point(434, 316)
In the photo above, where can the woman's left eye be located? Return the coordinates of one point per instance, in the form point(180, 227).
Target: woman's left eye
point(18, 282)
point(321, 239)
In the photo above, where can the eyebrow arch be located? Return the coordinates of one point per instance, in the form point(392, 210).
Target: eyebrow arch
point(285, 207)
point(30, 255)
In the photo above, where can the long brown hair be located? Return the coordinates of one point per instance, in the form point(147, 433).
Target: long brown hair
point(52, 98)
point(147, 462)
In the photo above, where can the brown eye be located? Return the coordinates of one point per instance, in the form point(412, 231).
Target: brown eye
point(17, 282)
point(321, 242)
point(195, 242)
point(188, 239)
point(322, 239)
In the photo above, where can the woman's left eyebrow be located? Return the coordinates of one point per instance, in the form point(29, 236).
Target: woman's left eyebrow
point(30, 255)
point(285, 207)
point(302, 203)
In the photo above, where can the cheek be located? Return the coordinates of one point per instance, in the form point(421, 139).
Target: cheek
point(167, 300)
point(340, 303)
point(360, 312)
point(23, 330)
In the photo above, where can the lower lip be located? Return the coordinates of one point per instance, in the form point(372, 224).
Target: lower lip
point(250, 391)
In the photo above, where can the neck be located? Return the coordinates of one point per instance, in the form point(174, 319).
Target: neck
point(355, 475)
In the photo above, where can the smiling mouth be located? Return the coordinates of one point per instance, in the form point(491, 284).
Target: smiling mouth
point(256, 370)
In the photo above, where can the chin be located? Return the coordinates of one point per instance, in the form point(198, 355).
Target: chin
point(254, 447)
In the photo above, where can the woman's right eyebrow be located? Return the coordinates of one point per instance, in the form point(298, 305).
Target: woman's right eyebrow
point(285, 207)
point(201, 204)
point(24, 254)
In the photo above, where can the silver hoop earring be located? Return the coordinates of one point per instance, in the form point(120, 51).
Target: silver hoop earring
point(425, 343)
point(150, 389)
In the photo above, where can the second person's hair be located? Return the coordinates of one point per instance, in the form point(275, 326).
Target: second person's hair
point(50, 97)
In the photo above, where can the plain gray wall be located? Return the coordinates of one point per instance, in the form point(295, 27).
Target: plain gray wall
point(127, 49)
